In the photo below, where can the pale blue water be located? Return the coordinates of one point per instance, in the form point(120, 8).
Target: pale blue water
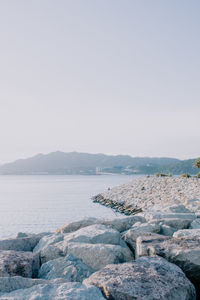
point(44, 203)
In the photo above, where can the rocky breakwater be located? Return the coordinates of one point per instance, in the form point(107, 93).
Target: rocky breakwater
point(131, 257)
point(152, 193)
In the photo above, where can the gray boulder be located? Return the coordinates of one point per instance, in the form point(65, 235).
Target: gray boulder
point(99, 255)
point(69, 267)
point(167, 230)
point(95, 234)
point(73, 226)
point(138, 229)
point(56, 291)
point(13, 263)
point(119, 223)
point(195, 224)
point(123, 223)
point(48, 240)
point(21, 243)
point(181, 251)
point(147, 278)
point(9, 284)
point(188, 234)
point(177, 208)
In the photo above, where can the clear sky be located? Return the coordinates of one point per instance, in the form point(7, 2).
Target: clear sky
point(109, 76)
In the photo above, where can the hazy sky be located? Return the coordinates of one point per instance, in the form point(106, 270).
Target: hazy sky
point(118, 77)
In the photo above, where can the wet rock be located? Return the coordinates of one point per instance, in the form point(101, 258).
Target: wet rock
point(69, 267)
point(146, 278)
point(13, 263)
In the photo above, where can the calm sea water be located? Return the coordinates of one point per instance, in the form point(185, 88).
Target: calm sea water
point(44, 203)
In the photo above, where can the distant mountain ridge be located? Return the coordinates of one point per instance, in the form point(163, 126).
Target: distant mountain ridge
point(84, 163)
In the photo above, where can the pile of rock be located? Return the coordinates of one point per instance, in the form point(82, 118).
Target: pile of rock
point(152, 193)
point(151, 256)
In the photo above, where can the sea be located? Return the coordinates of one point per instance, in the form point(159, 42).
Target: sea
point(44, 203)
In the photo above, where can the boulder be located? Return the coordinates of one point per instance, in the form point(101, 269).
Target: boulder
point(177, 208)
point(9, 284)
point(195, 224)
point(119, 223)
point(181, 251)
point(99, 255)
point(138, 229)
point(123, 223)
point(50, 252)
point(73, 226)
point(95, 234)
point(48, 240)
point(56, 291)
point(21, 243)
point(69, 267)
point(159, 215)
point(188, 234)
point(146, 278)
point(48, 247)
point(167, 230)
point(13, 263)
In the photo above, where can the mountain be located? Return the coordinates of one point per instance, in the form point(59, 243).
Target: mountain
point(85, 163)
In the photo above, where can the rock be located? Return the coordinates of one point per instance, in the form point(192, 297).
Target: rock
point(21, 243)
point(48, 247)
point(50, 252)
point(138, 229)
point(9, 284)
point(167, 230)
point(56, 291)
point(98, 255)
point(181, 251)
point(48, 240)
point(123, 223)
point(146, 278)
point(73, 226)
point(180, 208)
point(188, 234)
point(95, 234)
point(12, 263)
point(69, 267)
point(195, 224)
point(120, 223)
point(160, 216)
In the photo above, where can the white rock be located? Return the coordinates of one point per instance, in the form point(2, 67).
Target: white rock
point(99, 255)
point(188, 234)
point(59, 291)
point(69, 267)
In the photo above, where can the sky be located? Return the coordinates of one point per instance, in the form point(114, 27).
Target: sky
point(100, 76)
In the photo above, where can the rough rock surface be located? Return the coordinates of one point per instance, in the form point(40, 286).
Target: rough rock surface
point(19, 263)
point(156, 193)
point(9, 284)
point(56, 291)
point(181, 251)
point(94, 234)
point(138, 229)
point(120, 223)
point(99, 255)
point(69, 267)
point(188, 234)
point(21, 243)
point(195, 224)
point(146, 278)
